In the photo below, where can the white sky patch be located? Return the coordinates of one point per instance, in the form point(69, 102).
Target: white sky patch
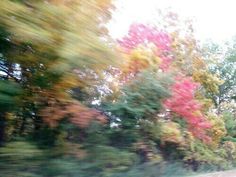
point(213, 19)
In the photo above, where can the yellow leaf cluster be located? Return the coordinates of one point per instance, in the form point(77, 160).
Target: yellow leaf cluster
point(170, 132)
point(141, 58)
point(218, 130)
point(209, 81)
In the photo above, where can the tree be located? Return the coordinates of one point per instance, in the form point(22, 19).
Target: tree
point(185, 105)
point(8, 103)
point(222, 63)
point(157, 45)
point(51, 40)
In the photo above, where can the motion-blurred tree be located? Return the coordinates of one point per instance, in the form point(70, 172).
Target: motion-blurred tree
point(53, 39)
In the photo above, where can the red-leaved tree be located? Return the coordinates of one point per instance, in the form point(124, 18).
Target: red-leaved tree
point(183, 103)
point(140, 34)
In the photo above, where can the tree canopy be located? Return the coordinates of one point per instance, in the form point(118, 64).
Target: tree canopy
point(75, 102)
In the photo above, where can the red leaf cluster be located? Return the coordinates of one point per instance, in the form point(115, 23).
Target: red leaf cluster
point(184, 104)
point(143, 34)
point(140, 34)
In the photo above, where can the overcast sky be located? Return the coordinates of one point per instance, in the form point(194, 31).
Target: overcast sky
point(213, 19)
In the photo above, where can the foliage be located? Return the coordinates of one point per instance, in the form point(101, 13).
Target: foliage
point(184, 104)
point(222, 63)
point(218, 129)
point(141, 98)
point(202, 156)
point(43, 49)
point(23, 158)
point(157, 44)
point(230, 125)
point(171, 133)
point(77, 113)
point(73, 102)
point(8, 94)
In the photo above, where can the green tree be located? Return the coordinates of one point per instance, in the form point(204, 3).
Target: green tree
point(222, 63)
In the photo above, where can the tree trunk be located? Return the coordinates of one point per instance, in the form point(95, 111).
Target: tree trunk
point(2, 128)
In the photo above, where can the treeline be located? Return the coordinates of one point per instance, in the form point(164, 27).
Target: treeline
point(74, 102)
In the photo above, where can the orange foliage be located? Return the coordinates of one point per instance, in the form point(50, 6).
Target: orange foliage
point(75, 112)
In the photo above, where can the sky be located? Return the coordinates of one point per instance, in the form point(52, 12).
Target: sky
point(213, 19)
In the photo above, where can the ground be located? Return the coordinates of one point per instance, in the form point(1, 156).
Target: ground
point(230, 173)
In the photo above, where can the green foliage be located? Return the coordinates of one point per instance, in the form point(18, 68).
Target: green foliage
point(8, 94)
point(221, 62)
point(109, 160)
point(172, 169)
point(204, 156)
point(55, 60)
point(22, 158)
point(141, 98)
point(230, 124)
